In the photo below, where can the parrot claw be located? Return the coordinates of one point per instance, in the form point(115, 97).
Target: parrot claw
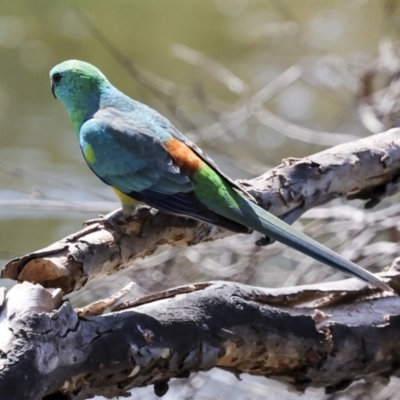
point(112, 220)
point(264, 241)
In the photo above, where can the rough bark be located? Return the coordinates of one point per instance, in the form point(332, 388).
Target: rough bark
point(311, 336)
point(367, 169)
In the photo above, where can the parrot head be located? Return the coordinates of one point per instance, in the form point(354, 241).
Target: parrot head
point(73, 80)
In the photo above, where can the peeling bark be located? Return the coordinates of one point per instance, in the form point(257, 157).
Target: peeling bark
point(325, 336)
point(312, 336)
point(367, 169)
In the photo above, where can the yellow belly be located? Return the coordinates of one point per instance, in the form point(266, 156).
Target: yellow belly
point(129, 205)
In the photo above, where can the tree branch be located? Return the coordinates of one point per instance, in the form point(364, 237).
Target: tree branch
point(308, 336)
point(312, 336)
point(367, 169)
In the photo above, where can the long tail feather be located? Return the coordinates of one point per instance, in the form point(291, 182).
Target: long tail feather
point(260, 220)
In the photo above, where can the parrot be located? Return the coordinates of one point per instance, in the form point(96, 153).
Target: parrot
point(146, 159)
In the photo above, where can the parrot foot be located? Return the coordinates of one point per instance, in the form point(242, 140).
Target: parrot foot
point(264, 241)
point(113, 220)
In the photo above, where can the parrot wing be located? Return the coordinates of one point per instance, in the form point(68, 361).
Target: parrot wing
point(135, 161)
point(206, 158)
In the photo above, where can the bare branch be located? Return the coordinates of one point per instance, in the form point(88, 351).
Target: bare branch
point(366, 169)
point(379, 107)
point(241, 114)
point(312, 336)
point(223, 74)
point(266, 117)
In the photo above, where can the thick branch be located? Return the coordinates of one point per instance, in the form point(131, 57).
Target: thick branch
point(277, 333)
point(366, 169)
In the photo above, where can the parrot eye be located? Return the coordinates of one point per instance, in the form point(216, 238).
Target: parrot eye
point(56, 78)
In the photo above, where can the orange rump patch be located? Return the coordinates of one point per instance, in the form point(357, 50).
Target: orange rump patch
point(187, 160)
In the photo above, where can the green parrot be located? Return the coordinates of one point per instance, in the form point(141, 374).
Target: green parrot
point(144, 158)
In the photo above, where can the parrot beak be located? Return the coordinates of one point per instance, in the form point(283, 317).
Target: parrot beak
point(52, 89)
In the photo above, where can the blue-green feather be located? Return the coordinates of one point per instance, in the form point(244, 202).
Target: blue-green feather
point(124, 143)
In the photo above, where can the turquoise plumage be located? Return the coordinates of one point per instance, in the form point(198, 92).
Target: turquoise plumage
point(144, 158)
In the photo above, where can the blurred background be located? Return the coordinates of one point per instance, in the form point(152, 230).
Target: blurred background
point(251, 82)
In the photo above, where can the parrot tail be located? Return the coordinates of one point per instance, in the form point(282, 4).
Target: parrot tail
point(261, 221)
